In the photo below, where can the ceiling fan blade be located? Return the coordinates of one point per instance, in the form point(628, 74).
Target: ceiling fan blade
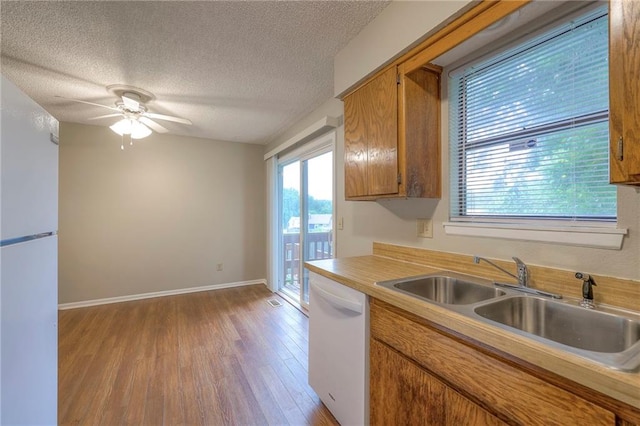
point(88, 103)
point(104, 116)
point(154, 126)
point(130, 103)
point(167, 117)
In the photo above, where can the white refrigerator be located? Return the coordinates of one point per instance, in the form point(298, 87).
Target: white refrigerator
point(28, 261)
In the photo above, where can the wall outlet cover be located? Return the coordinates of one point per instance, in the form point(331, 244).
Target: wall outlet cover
point(425, 228)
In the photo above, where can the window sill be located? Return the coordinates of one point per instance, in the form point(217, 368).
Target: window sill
point(596, 237)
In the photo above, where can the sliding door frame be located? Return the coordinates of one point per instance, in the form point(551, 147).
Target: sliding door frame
point(319, 146)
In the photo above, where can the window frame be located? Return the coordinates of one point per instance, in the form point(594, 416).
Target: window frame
point(592, 232)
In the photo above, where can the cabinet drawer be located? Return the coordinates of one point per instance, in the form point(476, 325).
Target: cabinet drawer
point(499, 387)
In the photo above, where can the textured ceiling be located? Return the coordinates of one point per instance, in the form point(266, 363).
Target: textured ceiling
point(241, 71)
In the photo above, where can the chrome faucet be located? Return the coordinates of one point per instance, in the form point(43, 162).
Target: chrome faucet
point(522, 277)
point(523, 273)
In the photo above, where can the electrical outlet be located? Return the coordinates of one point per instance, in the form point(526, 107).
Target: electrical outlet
point(219, 267)
point(425, 228)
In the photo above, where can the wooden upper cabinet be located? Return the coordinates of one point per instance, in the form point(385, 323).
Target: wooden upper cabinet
point(392, 136)
point(355, 146)
point(382, 135)
point(419, 112)
point(392, 122)
point(624, 91)
point(371, 138)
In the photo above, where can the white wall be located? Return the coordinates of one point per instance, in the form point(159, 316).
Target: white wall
point(332, 108)
point(157, 216)
point(399, 26)
point(393, 221)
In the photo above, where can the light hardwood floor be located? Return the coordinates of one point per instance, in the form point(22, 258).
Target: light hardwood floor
point(211, 358)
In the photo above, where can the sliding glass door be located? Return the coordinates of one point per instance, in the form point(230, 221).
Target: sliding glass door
point(306, 218)
point(289, 277)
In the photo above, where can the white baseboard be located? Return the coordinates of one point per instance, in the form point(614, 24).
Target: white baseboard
point(118, 299)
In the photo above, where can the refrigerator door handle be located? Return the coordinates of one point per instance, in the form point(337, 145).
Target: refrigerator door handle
point(17, 240)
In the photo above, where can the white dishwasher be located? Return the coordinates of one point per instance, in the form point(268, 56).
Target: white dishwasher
point(339, 349)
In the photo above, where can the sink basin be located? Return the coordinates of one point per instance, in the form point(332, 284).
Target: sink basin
point(446, 289)
point(607, 335)
point(588, 331)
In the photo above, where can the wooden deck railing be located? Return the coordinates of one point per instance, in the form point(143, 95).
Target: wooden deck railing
point(319, 246)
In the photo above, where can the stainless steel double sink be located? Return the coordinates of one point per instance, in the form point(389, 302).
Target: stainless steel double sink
point(606, 335)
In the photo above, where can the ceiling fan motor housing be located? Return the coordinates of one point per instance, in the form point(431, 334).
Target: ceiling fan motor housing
point(120, 90)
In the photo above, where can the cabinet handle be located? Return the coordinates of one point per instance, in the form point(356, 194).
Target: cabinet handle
point(620, 153)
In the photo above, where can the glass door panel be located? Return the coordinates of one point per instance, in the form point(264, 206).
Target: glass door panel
point(289, 282)
point(306, 220)
point(317, 228)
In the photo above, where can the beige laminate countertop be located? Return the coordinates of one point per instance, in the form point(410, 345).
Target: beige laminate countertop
point(361, 273)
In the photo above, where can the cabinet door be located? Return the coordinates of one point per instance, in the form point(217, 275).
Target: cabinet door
point(624, 91)
point(402, 393)
point(460, 412)
point(371, 138)
point(419, 132)
point(382, 135)
point(355, 144)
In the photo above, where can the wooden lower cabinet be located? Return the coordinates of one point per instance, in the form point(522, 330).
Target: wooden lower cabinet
point(461, 411)
point(404, 393)
point(422, 375)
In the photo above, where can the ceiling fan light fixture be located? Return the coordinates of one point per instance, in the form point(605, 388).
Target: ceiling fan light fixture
point(122, 127)
point(139, 130)
point(130, 126)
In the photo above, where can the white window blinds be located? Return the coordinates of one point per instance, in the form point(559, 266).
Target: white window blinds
point(529, 132)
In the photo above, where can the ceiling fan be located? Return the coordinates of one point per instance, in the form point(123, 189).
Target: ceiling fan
point(136, 120)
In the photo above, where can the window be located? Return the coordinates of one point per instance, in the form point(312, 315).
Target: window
point(529, 132)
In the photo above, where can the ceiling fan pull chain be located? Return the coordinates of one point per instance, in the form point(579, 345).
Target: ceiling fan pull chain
point(122, 142)
point(130, 140)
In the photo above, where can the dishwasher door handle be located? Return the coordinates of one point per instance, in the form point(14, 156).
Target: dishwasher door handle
point(335, 300)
